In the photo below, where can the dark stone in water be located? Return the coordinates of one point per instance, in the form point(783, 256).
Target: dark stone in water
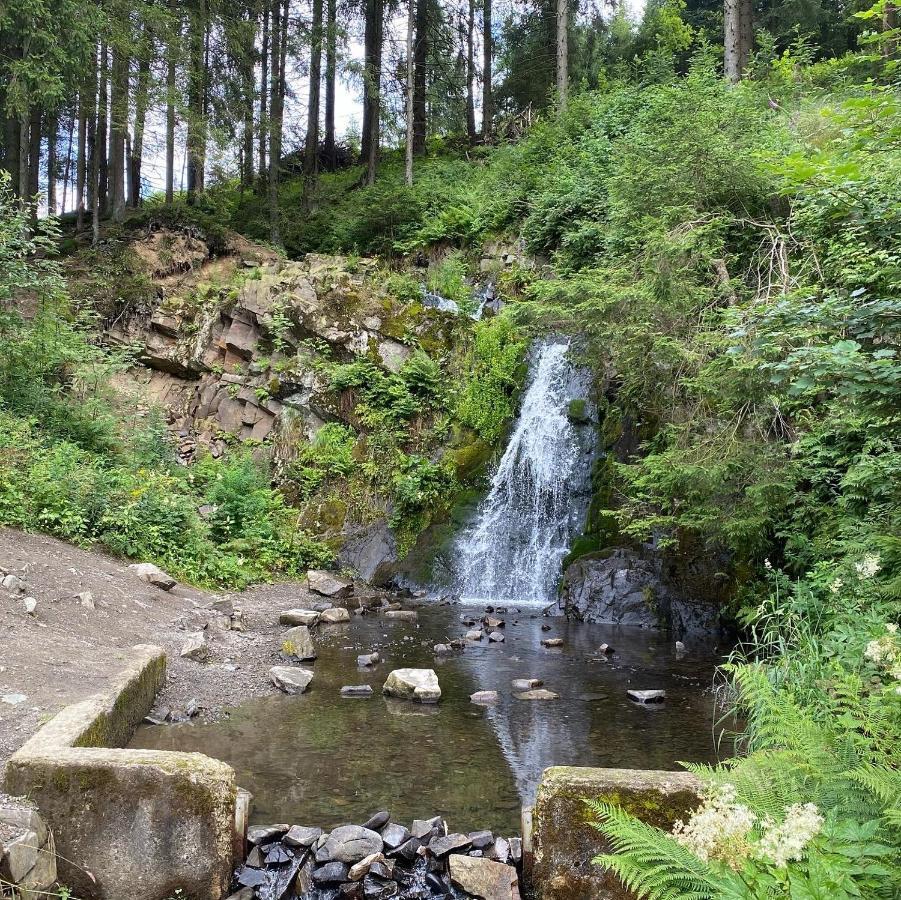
point(516, 850)
point(592, 698)
point(331, 872)
point(481, 839)
point(394, 835)
point(441, 846)
point(356, 690)
point(255, 858)
point(276, 854)
point(376, 889)
point(544, 627)
point(408, 850)
point(378, 820)
point(279, 881)
point(249, 877)
point(300, 836)
point(382, 869)
point(436, 884)
point(260, 834)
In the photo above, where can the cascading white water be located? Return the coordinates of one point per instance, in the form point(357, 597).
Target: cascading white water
point(513, 549)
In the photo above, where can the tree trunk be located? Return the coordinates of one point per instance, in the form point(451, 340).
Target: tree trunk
point(331, 66)
point(746, 34)
point(24, 128)
point(311, 147)
point(487, 54)
point(562, 55)
point(248, 97)
point(81, 161)
point(408, 158)
point(264, 92)
point(890, 25)
point(732, 40)
point(11, 151)
point(275, 118)
point(420, 63)
point(196, 136)
point(52, 164)
point(67, 169)
point(141, 92)
point(34, 154)
point(372, 89)
point(470, 74)
point(171, 54)
point(118, 127)
point(100, 135)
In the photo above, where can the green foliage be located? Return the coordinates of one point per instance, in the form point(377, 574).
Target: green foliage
point(448, 279)
point(328, 457)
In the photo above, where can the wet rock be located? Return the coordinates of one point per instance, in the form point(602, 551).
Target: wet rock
point(303, 883)
point(413, 684)
point(484, 698)
point(376, 889)
point(331, 873)
point(255, 858)
point(468, 621)
point(360, 869)
point(654, 696)
point(409, 850)
point(394, 835)
point(680, 647)
point(484, 878)
point(356, 690)
point(441, 846)
point(526, 684)
point(516, 850)
point(552, 642)
point(473, 635)
point(370, 550)
point(544, 627)
point(491, 622)
point(401, 615)
point(606, 649)
point(428, 828)
point(334, 616)
point(441, 649)
point(250, 877)
point(329, 585)
point(291, 679)
point(196, 647)
point(308, 617)
point(499, 851)
point(436, 884)
point(301, 836)
point(496, 637)
point(351, 843)
point(368, 659)
point(298, 642)
point(151, 574)
point(261, 834)
point(537, 694)
point(378, 820)
point(276, 854)
point(481, 839)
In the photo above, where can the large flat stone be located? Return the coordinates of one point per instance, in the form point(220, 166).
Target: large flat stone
point(483, 878)
point(413, 684)
point(329, 585)
point(564, 842)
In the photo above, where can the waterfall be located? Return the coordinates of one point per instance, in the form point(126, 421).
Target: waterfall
point(539, 494)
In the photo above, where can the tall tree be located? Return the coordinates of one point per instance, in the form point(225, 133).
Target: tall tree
point(487, 57)
point(100, 135)
point(410, 97)
point(264, 92)
point(52, 165)
point(420, 78)
point(171, 58)
point(117, 130)
point(331, 66)
point(470, 72)
point(311, 145)
point(277, 37)
point(562, 54)
point(372, 81)
point(196, 136)
point(738, 20)
point(142, 92)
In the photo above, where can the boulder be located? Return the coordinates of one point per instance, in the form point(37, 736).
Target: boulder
point(361, 869)
point(413, 684)
point(483, 878)
point(308, 617)
point(378, 820)
point(448, 843)
point(331, 872)
point(473, 635)
point(526, 684)
point(394, 835)
point(496, 637)
point(151, 574)
point(481, 839)
point(651, 696)
point(298, 642)
point(552, 642)
point(370, 551)
point(196, 647)
point(356, 690)
point(334, 616)
point(368, 659)
point(301, 836)
point(401, 615)
point(291, 679)
point(350, 844)
point(263, 834)
point(13, 583)
point(327, 584)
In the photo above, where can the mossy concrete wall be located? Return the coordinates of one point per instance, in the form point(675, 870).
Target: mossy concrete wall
point(563, 840)
point(129, 824)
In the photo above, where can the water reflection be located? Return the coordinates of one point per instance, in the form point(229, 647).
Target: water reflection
point(320, 760)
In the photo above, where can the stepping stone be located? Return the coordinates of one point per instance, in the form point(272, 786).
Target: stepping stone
point(496, 637)
point(413, 684)
point(484, 698)
point(334, 616)
point(552, 642)
point(368, 659)
point(308, 617)
point(537, 694)
point(526, 684)
point(654, 696)
point(291, 679)
point(356, 690)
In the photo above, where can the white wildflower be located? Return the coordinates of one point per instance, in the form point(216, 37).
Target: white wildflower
point(718, 829)
point(767, 564)
point(891, 627)
point(784, 842)
point(868, 566)
point(836, 585)
point(885, 651)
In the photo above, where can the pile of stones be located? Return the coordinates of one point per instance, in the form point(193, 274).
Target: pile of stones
point(377, 861)
point(27, 852)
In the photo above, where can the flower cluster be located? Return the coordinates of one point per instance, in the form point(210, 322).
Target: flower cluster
point(786, 841)
point(719, 829)
point(885, 652)
point(868, 566)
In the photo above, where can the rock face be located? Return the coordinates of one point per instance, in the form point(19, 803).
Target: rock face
point(326, 584)
point(626, 587)
point(564, 843)
point(298, 642)
point(291, 679)
point(370, 551)
point(27, 850)
point(151, 574)
point(413, 684)
point(483, 878)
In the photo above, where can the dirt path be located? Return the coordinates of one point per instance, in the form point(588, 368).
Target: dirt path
point(64, 651)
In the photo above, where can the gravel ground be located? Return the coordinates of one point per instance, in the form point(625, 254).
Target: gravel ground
point(65, 651)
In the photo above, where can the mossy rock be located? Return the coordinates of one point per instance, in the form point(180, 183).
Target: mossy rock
point(577, 411)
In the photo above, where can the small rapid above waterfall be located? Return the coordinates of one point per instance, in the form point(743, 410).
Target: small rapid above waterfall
point(539, 493)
